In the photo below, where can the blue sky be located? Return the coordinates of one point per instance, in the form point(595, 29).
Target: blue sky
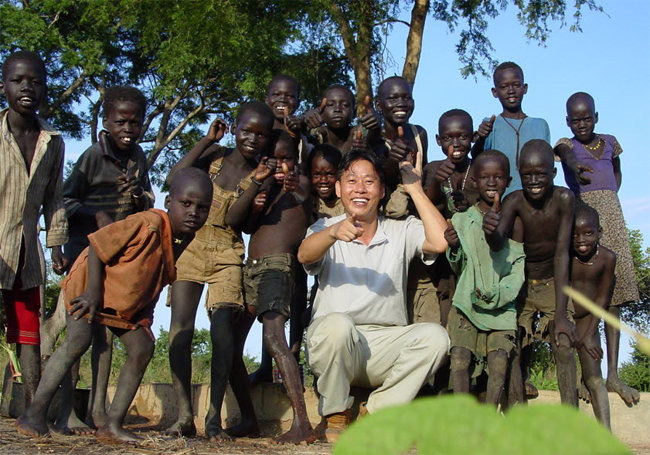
point(610, 60)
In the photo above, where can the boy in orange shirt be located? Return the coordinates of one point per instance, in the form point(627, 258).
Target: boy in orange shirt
point(116, 282)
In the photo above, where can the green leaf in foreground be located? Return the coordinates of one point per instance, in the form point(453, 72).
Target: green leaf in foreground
point(459, 425)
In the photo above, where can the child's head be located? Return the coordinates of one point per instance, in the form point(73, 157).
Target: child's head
point(339, 108)
point(324, 162)
point(285, 151)
point(24, 82)
point(536, 169)
point(509, 86)
point(491, 172)
point(283, 95)
point(395, 100)
point(455, 128)
point(124, 109)
point(581, 116)
point(586, 230)
point(252, 128)
point(189, 200)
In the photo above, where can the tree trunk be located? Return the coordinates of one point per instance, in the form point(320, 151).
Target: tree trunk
point(414, 40)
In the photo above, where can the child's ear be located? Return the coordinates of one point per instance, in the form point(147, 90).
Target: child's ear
point(596, 118)
point(233, 127)
point(167, 202)
point(554, 172)
point(525, 88)
point(104, 123)
point(475, 137)
point(508, 182)
point(337, 188)
point(494, 92)
point(438, 140)
point(568, 122)
point(2, 87)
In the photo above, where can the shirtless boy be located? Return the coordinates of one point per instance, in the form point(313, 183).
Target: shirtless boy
point(546, 212)
point(116, 282)
point(592, 273)
point(276, 211)
point(216, 257)
point(31, 175)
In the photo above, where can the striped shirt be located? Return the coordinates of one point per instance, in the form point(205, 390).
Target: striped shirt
point(22, 194)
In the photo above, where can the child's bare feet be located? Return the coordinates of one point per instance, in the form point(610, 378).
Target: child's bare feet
point(217, 435)
point(74, 425)
point(114, 432)
point(297, 434)
point(531, 391)
point(628, 394)
point(247, 428)
point(97, 419)
point(182, 427)
point(31, 427)
point(583, 393)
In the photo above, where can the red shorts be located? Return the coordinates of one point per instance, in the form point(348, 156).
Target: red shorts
point(22, 310)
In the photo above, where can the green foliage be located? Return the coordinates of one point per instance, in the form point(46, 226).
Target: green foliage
point(542, 367)
point(456, 424)
point(637, 314)
point(637, 372)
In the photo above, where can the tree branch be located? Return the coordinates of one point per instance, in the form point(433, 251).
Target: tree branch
point(414, 40)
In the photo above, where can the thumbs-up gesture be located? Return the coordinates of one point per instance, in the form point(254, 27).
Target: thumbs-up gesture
point(314, 117)
point(347, 229)
point(446, 168)
point(411, 175)
point(217, 130)
point(485, 128)
point(358, 142)
point(400, 150)
point(493, 216)
point(370, 118)
point(292, 124)
point(451, 236)
point(264, 168)
point(290, 182)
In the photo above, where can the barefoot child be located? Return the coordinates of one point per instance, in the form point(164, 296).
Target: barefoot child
point(598, 155)
point(280, 209)
point(216, 257)
point(546, 212)
point(108, 182)
point(510, 130)
point(592, 273)
point(31, 176)
point(116, 282)
point(482, 322)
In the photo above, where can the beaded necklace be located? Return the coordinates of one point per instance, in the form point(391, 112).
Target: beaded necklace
point(462, 185)
point(594, 147)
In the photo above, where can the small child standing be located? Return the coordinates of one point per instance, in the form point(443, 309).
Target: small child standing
point(509, 131)
point(31, 177)
point(592, 273)
point(598, 155)
point(116, 282)
point(276, 212)
point(324, 162)
point(482, 322)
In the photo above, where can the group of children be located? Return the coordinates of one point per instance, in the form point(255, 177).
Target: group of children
point(498, 288)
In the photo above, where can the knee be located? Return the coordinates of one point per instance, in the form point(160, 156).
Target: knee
point(430, 336)
point(594, 383)
point(460, 358)
point(141, 352)
point(498, 362)
point(564, 354)
point(334, 330)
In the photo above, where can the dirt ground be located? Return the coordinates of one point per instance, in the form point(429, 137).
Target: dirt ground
point(14, 443)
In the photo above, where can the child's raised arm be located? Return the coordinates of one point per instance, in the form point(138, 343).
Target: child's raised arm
point(201, 149)
point(238, 214)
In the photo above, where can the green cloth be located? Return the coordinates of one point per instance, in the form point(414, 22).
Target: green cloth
point(498, 275)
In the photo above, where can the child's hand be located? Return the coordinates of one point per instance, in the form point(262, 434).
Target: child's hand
point(485, 128)
point(88, 302)
point(358, 142)
point(446, 168)
point(460, 201)
point(580, 176)
point(346, 230)
point(60, 262)
point(292, 124)
point(451, 236)
point(313, 118)
point(259, 202)
point(370, 119)
point(492, 217)
point(102, 219)
point(290, 179)
point(400, 150)
point(564, 327)
point(264, 168)
point(589, 344)
point(217, 130)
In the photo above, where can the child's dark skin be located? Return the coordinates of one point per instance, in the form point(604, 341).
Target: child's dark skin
point(546, 212)
point(277, 216)
point(592, 273)
point(251, 137)
point(24, 86)
point(188, 201)
point(455, 139)
point(491, 179)
point(509, 88)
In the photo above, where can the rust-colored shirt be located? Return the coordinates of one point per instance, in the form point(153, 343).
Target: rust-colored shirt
point(139, 263)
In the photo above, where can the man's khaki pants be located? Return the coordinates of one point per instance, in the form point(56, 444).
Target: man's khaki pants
point(397, 360)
